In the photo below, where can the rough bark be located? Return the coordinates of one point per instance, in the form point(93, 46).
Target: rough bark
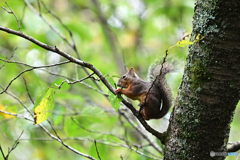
point(210, 87)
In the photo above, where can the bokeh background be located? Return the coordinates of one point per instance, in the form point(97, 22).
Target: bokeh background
point(111, 35)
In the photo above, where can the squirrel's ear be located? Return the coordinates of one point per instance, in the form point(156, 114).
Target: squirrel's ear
point(131, 71)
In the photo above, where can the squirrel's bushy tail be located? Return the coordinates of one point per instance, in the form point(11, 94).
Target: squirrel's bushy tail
point(156, 71)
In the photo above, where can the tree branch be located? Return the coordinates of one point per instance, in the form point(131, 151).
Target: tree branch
point(27, 70)
point(95, 142)
point(234, 147)
point(11, 12)
point(73, 46)
point(13, 147)
point(159, 135)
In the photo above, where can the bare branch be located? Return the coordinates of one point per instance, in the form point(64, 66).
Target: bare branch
point(105, 142)
point(69, 147)
point(85, 84)
point(154, 145)
point(8, 58)
point(234, 147)
point(11, 12)
point(2, 153)
point(52, 136)
point(121, 138)
point(13, 147)
point(89, 76)
point(95, 142)
point(25, 82)
point(27, 70)
point(159, 135)
point(73, 46)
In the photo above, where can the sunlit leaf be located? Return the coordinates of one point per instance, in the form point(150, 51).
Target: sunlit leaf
point(184, 43)
point(115, 101)
point(44, 105)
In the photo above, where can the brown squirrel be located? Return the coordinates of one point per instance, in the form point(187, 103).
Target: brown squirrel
point(135, 88)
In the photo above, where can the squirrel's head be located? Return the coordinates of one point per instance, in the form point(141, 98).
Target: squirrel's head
point(127, 78)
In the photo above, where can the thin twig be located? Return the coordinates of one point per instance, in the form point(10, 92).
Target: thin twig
point(8, 58)
point(25, 82)
point(52, 136)
point(11, 12)
point(121, 157)
point(153, 83)
point(55, 131)
point(105, 142)
point(141, 132)
point(77, 138)
point(73, 45)
point(159, 135)
point(95, 142)
point(10, 150)
point(27, 70)
point(89, 76)
point(2, 152)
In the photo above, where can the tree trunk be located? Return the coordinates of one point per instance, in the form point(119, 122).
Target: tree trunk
point(210, 87)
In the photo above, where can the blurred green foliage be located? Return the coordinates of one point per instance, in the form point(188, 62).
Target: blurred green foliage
point(142, 31)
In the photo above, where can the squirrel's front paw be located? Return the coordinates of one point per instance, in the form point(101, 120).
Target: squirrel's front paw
point(118, 90)
point(142, 104)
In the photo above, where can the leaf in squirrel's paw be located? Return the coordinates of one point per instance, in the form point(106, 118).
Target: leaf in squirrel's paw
point(44, 105)
point(114, 99)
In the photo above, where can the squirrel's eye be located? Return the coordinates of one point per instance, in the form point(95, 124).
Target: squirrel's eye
point(124, 77)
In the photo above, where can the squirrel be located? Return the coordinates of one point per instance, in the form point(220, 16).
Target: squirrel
point(137, 89)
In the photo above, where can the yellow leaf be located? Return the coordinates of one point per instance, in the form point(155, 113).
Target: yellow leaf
point(198, 38)
point(183, 43)
point(7, 116)
point(44, 105)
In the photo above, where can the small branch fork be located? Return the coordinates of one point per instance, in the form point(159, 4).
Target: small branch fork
point(73, 45)
point(10, 150)
point(11, 12)
point(89, 76)
point(27, 70)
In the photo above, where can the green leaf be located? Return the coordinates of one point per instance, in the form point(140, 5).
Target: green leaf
point(114, 99)
point(44, 105)
point(111, 81)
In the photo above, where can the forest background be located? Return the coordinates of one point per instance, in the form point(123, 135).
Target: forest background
point(111, 35)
